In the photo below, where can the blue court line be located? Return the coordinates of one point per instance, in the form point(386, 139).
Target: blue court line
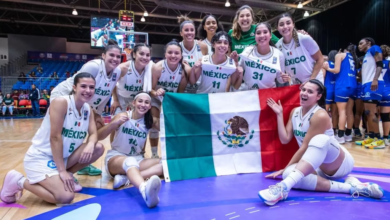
point(95, 191)
point(373, 173)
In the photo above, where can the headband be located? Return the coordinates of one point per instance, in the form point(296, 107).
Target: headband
point(222, 37)
point(143, 93)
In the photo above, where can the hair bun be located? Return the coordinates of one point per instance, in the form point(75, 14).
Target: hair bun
point(182, 18)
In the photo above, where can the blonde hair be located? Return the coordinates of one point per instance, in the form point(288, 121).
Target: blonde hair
point(236, 27)
point(183, 19)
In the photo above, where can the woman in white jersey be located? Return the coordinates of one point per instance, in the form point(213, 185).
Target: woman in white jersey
point(207, 29)
point(372, 86)
point(125, 160)
point(263, 63)
point(303, 56)
point(57, 149)
point(193, 50)
point(106, 73)
point(320, 159)
point(135, 74)
point(168, 75)
point(216, 69)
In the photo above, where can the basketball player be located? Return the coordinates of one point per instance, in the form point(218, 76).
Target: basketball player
point(216, 69)
point(125, 160)
point(262, 63)
point(359, 104)
point(106, 73)
point(385, 102)
point(97, 34)
point(132, 78)
point(373, 85)
point(345, 68)
point(330, 82)
point(207, 29)
point(193, 50)
point(304, 59)
point(57, 149)
point(320, 159)
point(168, 75)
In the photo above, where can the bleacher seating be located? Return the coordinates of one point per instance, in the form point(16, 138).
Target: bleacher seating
point(43, 80)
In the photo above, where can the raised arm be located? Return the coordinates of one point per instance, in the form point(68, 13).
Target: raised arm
point(195, 72)
point(117, 121)
point(337, 64)
point(285, 132)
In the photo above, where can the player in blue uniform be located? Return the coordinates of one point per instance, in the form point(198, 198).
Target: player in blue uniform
point(330, 80)
point(385, 102)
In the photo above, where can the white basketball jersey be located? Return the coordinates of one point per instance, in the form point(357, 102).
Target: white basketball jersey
point(260, 70)
point(214, 77)
point(131, 83)
point(193, 55)
point(74, 129)
point(130, 137)
point(301, 123)
point(299, 62)
point(369, 65)
point(169, 80)
point(209, 46)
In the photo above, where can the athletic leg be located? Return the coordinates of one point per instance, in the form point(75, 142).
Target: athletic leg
point(359, 105)
point(73, 161)
point(154, 133)
point(341, 106)
point(350, 120)
point(335, 117)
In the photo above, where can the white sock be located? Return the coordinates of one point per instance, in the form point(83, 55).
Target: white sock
point(292, 179)
point(21, 182)
point(338, 187)
point(154, 150)
point(141, 187)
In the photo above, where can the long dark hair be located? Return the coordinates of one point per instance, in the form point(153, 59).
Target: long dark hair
point(369, 39)
point(332, 56)
point(176, 43)
point(137, 46)
point(352, 49)
point(79, 76)
point(268, 26)
point(295, 33)
point(110, 45)
point(148, 118)
point(202, 33)
point(321, 90)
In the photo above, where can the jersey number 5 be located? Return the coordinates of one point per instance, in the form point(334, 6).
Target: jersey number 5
point(71, 148)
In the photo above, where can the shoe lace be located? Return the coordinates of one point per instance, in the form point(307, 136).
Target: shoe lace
point(127, 183)
point(361, 190)
point(278, 188)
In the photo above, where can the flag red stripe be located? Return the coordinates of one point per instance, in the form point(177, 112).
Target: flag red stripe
point(274, 155)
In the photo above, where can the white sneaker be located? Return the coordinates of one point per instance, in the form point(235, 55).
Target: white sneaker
point(372, 190)
point(11, 191)
point(387, 142)
point(341, 140)
point(155, 156)
point(120, 180)
point(273, 194)
point(348, 138)
point(150, 190)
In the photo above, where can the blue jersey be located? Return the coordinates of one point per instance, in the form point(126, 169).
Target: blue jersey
point(347, 75)
point(330, 78)
point(386, 72)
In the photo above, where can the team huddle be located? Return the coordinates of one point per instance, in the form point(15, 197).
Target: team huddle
point(215, 64)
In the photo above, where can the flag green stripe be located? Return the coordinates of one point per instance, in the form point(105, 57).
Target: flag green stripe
point(188, 136)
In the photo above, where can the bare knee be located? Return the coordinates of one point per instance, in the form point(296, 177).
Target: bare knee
point(99, 149)
point(64, 197)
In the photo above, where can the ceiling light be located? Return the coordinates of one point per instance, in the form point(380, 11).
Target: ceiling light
point(300, 5)
point(74, 12)
point(142, 19)
point(306, 14)
point(146, 14)
point(227, 4)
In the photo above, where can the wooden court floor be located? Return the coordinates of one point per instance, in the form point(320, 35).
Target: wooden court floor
point(15, 139)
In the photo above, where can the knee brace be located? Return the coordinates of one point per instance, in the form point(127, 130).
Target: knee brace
point(130, 162)
point(308, 182)
point(153, 133)
point(385, 117)
point(316, 152)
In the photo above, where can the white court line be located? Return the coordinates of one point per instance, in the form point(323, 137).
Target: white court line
point(230, 213)
point(234, 217)
point(309, 199)
point(294, 203)
point(254, 211)
point(250, 208)
point(274, 207)
point(314, 201)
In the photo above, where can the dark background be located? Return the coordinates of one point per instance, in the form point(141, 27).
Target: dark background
point(349, 23)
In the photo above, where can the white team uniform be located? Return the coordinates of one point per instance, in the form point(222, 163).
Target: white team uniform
point(261, 70)
point(191, 56)
point(103, 88)
point(209, 46)
point(169, 81)
point(298, 61)
point(39, 161)
point(301, 124)
point(129, 85)
point(214, 77)
point(129, 140)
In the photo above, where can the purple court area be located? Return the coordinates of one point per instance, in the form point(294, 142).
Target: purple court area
point(230, 197)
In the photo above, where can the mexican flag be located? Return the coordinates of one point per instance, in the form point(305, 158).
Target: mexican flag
point(205, 135)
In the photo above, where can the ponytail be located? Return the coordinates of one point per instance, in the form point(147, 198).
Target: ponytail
point(352, 49)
